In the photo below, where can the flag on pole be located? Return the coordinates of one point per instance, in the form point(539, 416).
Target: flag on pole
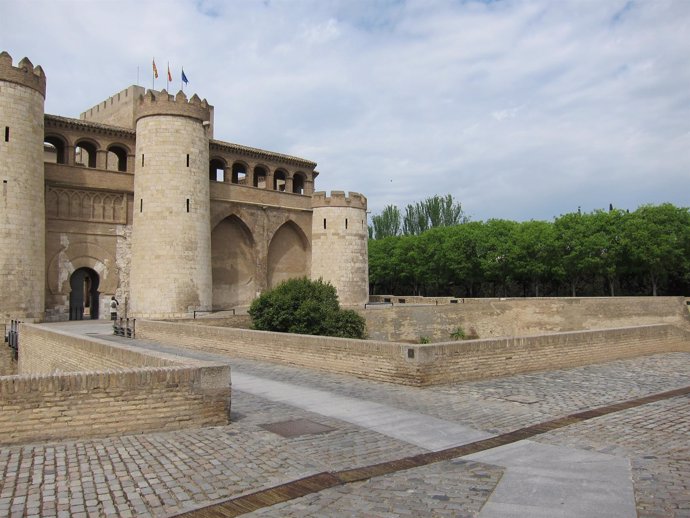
point(155, 70)
point(184, 77)
point(169, 74)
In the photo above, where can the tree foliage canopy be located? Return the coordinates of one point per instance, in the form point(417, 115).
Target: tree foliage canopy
point(436, 211)
point(611, 252)
point(306, 307)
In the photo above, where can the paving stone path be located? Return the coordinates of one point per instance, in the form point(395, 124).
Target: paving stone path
point(164, 474)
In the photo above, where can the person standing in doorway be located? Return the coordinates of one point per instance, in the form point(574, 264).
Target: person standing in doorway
point(113, 308)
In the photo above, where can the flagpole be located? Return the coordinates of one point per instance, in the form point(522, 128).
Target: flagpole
point(167, 78)
point(153, 74)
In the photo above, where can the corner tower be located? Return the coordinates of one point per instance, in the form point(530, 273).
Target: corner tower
point(171, 235)
point(339, 244)
point(22, 201)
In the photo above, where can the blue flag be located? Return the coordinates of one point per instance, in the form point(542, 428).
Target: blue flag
point(184, 77)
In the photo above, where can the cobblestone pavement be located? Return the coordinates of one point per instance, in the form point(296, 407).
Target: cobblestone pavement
point(162, 474)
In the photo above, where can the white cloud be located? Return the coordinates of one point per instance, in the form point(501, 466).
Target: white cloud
point(519, 108)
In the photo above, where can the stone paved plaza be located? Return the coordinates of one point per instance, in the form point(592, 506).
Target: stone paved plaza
point(164, 474)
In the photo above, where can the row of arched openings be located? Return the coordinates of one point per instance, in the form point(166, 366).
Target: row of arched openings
point(239, 174)
point(85, 153)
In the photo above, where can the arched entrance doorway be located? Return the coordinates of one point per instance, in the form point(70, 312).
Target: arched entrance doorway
point(83, 297)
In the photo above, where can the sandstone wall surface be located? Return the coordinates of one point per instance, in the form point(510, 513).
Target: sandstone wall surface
point(430, 364)
point(108, 390)
point(519, 317)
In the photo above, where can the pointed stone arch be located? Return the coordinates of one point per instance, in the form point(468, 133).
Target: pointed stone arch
point(288, 254)
point(233, 259)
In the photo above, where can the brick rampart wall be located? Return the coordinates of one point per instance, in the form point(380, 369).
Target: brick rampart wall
point(364, 358)
point(430, 364)
point(520, 317)
point(113, 394)
point(7, 364)
point(477, 359)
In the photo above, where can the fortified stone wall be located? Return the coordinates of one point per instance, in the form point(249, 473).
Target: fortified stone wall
point(519, 317)
point(339, 244)
point(171, 236)
point(117, 110)
point(422, 365)
point(140, 392)
point(22, 227)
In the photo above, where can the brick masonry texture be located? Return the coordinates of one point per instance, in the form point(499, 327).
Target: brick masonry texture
point(107, 390)
point(431, 364)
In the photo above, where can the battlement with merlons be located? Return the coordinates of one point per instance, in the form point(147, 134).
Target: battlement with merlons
point(162, 103)
point(353, 200)
point(24, 73)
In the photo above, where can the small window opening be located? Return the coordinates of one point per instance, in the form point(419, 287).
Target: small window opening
point(141, 205)
point(410, 353)
point(345, 223)
point(142, 160)
point(7, 133)
point(324, 223)
point(187, 204)
point(187, 159)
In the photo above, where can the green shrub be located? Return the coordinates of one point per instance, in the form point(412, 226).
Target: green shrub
point(458, 334)
point(306, 307)
point(424, 340)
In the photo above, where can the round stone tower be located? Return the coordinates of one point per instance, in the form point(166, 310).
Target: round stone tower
point(22, 203)
point(171, 234)
point(339, 244)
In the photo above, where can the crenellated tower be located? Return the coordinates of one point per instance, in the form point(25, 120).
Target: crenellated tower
point(171, 236)
point(339, 244)
point(22, 212)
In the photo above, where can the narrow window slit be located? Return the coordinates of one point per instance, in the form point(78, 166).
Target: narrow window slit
point(187, 204)
point(187, 159)
point(324, 223)
point(141, 205)
point(7, 133)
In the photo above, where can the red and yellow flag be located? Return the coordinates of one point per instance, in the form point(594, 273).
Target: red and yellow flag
point(169, 74)
point(155, 70)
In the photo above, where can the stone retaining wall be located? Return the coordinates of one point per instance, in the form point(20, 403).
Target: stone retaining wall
point(421, 365)
point(8, 365)
point(109, 390)
point(518, 317)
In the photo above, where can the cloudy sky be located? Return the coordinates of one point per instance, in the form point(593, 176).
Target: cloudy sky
point(521, 109)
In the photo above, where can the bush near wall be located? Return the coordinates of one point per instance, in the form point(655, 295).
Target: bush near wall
point(305, 307)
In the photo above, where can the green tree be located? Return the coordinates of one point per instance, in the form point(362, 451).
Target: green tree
point(306, 307)
point(387, 224)
point(660, 241)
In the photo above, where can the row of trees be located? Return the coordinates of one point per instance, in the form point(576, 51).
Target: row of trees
point(437, 211)
point(611, 252)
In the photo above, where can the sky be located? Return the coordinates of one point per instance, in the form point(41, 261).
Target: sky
point(520, 109)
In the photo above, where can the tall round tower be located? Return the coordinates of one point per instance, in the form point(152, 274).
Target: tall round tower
point(171, 234)
point(339, 244)
point(22, 203)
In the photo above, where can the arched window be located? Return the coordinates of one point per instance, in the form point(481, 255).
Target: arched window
point(116, 159)
point(279, 180)
point(239, 173)
point(85, 153)
point(260, 175)
point(298, 183)
point(216, 170)
point(54, 150)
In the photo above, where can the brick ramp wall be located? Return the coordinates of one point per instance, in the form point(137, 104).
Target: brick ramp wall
point(363, 358)
point(422, 365)
point(477, 359)
point(8, 365)
point(521, 317)
point(100, 402)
